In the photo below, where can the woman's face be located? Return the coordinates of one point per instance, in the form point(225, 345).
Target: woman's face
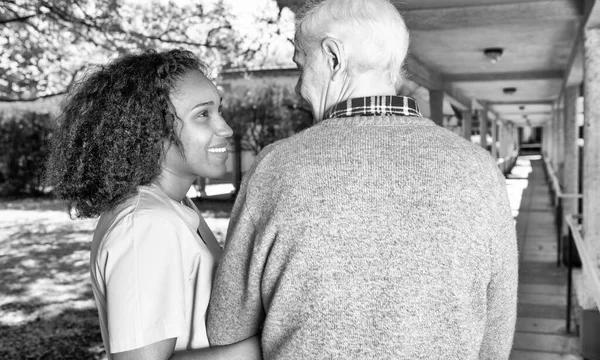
point(201, 128)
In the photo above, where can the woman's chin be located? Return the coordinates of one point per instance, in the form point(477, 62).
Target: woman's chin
point(216, 173)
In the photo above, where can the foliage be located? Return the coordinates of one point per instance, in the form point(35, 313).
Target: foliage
point(47, 44)
point(264, 112)
point(23, 149)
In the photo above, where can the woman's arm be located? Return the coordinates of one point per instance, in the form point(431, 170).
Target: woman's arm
point(248, 349)
point(157, 351)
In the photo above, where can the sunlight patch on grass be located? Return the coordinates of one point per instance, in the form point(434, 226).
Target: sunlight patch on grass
point(47, 307)
point(44, 264)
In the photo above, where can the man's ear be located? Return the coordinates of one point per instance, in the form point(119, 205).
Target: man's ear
point(334, 53)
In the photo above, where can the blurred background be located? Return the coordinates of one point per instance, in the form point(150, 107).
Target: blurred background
point(46, 304)
point(505, 74)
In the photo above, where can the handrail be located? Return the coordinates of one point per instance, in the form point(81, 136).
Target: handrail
point(556, 184)
point(587, 263)
point(530, 146)
point(513, 155)
point(557, 202)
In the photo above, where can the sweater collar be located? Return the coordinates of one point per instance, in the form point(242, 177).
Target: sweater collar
point(374, 106)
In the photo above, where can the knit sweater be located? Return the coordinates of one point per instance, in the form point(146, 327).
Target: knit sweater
point(379, 237)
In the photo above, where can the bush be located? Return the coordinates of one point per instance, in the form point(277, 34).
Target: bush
point(23, 149)
point(264, 112)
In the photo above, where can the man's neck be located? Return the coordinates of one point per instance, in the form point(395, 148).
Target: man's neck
point(366, 84)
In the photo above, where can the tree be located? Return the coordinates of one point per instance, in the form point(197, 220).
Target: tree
point(262, 113)
point(46, 45)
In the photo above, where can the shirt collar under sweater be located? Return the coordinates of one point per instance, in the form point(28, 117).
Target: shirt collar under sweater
point(374, 106)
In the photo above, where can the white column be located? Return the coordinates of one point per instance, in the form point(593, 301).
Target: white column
point(571, 153)
point(494, 139)
point(467, 122)
point(560, 138)
point(483, 127)
point(591, 151)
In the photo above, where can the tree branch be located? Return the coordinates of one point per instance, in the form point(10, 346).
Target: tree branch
point(7, 99)
point(19, 19)
point(180, 42)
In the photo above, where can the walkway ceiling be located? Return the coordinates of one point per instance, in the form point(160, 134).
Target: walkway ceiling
point(542, 52)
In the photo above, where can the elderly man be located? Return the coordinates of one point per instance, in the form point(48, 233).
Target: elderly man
point(375, 234)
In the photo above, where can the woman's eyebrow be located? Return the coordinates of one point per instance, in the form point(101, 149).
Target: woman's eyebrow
point(203, 104)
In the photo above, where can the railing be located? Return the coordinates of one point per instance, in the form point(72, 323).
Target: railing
point(531, 146)
point(506, 163)
point(556, 195)
point(589, 266)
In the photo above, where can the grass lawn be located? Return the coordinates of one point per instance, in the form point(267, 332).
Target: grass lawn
point(47, 309)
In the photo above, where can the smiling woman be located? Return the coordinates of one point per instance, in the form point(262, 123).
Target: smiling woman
point(203, 133)
point(130, 141)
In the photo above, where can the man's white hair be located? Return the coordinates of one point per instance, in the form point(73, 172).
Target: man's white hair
point(375, 26)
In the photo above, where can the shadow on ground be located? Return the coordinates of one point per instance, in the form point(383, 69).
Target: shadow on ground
point(73, 334)
point(47, 309)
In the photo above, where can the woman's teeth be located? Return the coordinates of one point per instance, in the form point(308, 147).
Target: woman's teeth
point(217, 150)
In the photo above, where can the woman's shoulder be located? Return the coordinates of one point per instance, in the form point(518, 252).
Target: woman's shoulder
point(146, 213)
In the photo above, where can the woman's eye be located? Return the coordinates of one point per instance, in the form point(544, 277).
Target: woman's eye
point(203, 114)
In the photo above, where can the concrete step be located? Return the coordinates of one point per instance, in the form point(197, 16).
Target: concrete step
point(541, 311)
point(541, 325)
point(535, 288)
point(542, 299)
point(549, 343)
point(536, 355)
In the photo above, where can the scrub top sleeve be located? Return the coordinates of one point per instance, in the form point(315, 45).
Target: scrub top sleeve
point(145, 285)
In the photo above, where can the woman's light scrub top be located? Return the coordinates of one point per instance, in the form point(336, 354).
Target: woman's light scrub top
point(152, 273)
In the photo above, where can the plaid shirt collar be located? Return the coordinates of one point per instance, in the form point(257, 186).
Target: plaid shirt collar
point(374, 106)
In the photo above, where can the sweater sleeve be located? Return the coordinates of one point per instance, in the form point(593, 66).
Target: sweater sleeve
point(502, 289)
point(236, 310)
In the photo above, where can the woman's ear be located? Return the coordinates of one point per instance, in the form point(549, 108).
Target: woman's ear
point(334, 53)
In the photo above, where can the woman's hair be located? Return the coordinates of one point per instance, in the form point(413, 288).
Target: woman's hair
point(374, 24)
point(110, 136)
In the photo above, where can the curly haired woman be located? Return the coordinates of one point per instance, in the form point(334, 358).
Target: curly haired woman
point(131, 139)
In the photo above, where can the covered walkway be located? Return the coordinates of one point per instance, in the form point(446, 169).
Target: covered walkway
point(541, 332)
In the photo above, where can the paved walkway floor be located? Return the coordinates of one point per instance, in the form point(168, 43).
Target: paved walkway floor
point(540, 333)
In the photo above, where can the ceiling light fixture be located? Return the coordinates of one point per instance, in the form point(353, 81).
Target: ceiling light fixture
point(493, 54)
point(509, 90)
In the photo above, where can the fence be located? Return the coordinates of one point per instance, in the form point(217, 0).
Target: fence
point(576, 249)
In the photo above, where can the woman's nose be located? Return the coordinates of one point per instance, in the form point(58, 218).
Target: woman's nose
point(223, 129)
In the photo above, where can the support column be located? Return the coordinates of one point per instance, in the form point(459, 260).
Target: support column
point(494, 139)
point(516, 142)
point(527, 134)
point(591, 151)
point(467, 123)
point(554, 138)
point(571, 153)
point(556, 147)
point(560, 134)
point(511, 139)
point(436, 106)
point(483, 127)
point(550, 148)
point(545, 138)
point(502, 151)
point(502, 135)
